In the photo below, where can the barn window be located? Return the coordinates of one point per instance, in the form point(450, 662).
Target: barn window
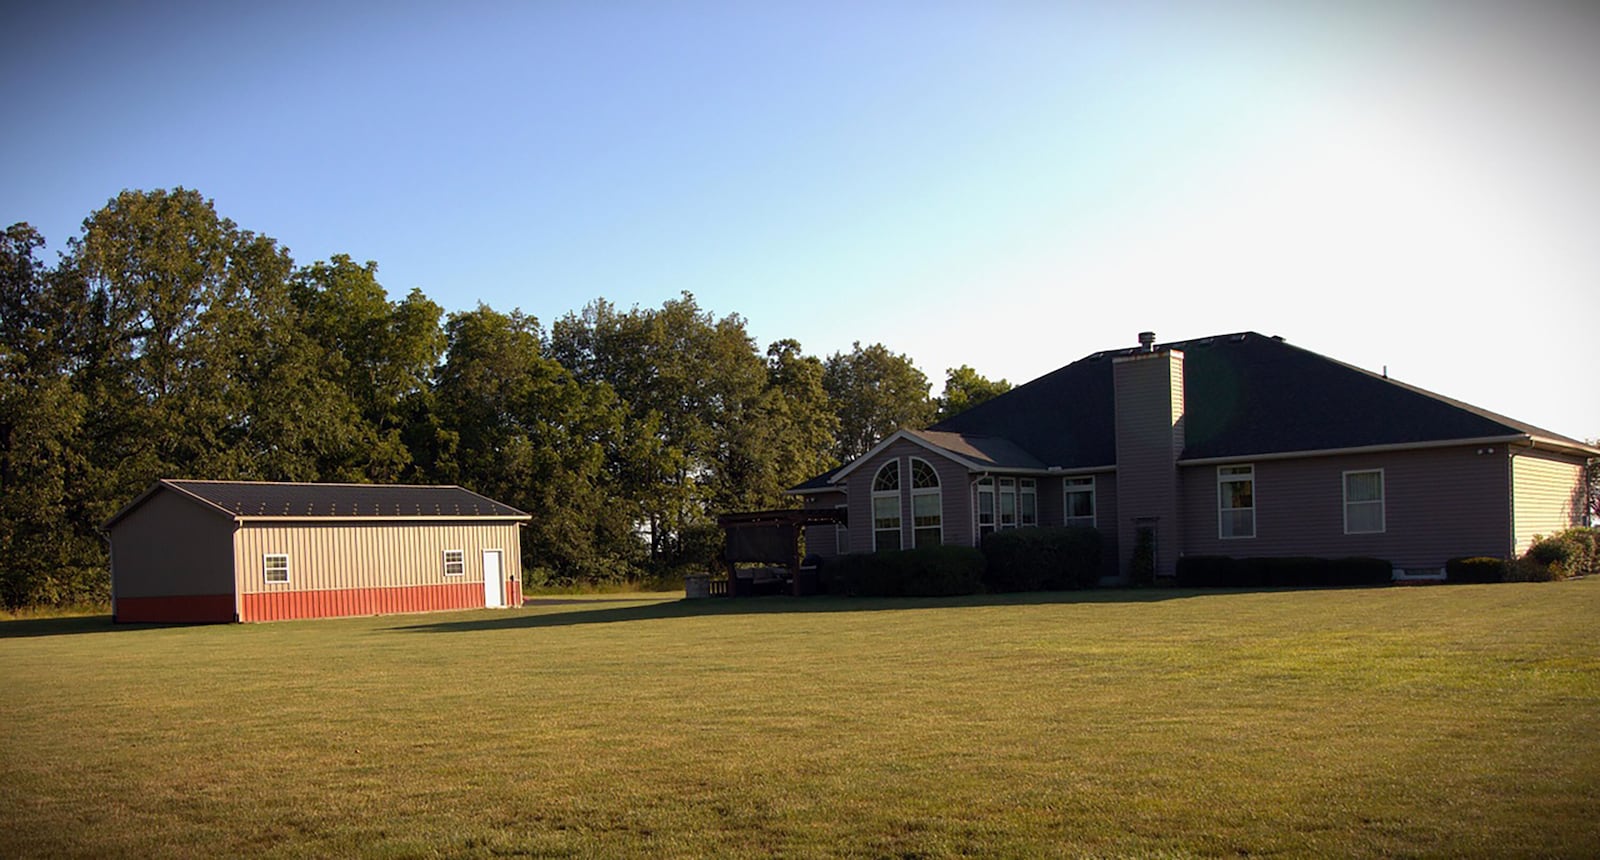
point(276, 566)
point(455, 562)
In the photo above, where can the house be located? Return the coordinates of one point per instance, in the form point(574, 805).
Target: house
point(201, 551)
point(1237, 445)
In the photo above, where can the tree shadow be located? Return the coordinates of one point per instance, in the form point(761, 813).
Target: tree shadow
point(722, 606)
point(69, 625)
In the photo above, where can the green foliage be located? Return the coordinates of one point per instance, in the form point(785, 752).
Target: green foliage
point(1476, 569)
point(1042, 559)
point(1196, 571)
point(930, 571)
point(874, 392)
point(1574, 552)
point(964, 388)
point(1142, 565)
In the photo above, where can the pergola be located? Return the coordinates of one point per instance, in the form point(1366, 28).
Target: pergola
point(772, 537)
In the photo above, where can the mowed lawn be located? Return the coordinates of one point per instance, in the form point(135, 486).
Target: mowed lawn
point(1437, 721)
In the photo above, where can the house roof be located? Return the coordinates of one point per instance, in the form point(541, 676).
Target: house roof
point(259, 500)
point(991, 452)
point(1246, 394)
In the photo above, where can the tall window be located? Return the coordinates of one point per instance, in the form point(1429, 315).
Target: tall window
point(886, 507)
point(1078, 501)
point(985, 506)
point(276, 566)
point(1028, 501)
point(927, 505)
point(1008, 503)
point(1236, 501)
point(1363, 502)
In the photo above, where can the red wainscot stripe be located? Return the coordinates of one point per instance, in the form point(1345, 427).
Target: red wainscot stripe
point(175, 609)
point(332, 603)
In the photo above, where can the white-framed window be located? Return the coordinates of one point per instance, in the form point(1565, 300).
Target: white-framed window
point(1008, 503)
point(1363, 502)
point(455, 562)
point(275, 567)
point(985, 506)
point(1236, 501)
point(927, 505)
point(1077, 500)
point(886, 507)
point(1028, 501)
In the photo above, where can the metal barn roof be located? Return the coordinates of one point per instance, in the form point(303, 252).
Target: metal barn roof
point(264, 500)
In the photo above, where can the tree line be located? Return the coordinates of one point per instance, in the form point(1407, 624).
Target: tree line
point(166, 341)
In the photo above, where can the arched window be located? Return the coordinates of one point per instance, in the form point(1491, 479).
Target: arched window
point(886, 507)
point(927, 505)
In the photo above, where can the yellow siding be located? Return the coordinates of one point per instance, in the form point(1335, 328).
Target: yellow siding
point(1548, 496)
point(325, 556)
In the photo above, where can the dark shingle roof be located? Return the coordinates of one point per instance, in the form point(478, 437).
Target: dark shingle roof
point(987, 451)
point(252, 499)
point(1245, 394)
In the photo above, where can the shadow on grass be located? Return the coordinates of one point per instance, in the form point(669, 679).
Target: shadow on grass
point(66, 625)
point(716, 606)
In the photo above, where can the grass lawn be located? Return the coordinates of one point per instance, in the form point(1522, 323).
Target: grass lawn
point(1461, 720)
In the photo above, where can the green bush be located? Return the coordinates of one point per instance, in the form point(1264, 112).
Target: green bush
point(933, 571)
point(1042, 559)
point(1142, 564)
point(1526, 569)
point(1574, 552)
point(1202, 571)
point(1476, 569)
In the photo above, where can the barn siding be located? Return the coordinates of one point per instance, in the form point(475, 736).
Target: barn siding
point(360, 568)
point(1548, 495)
point(1439, 503)
point(146, 563)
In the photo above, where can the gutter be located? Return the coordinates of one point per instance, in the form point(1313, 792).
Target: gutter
point(1364, 449)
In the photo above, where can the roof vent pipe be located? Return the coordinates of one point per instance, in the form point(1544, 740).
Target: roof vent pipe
point(1147, 341)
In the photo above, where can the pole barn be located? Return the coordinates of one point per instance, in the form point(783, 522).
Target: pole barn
point(217, 551)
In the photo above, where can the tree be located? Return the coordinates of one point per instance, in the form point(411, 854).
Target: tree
point(696, 381)
point(529, 433)
point(964, 388)
point(378, 354)
point(47, 552)
point(875, 392)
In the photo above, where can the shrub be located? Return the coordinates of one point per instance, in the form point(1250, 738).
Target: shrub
point(1202, 571)
point(1574, 552)
point(1042, 559)
point(934, 571)
point(1142, 565)
point(1205, 571)
point(1526, 569)
point(1476, 569)
point(1550, 551)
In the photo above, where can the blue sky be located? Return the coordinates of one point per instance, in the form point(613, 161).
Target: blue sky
point(1010, 185)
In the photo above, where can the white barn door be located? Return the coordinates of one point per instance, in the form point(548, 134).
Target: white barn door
point(492, 579)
